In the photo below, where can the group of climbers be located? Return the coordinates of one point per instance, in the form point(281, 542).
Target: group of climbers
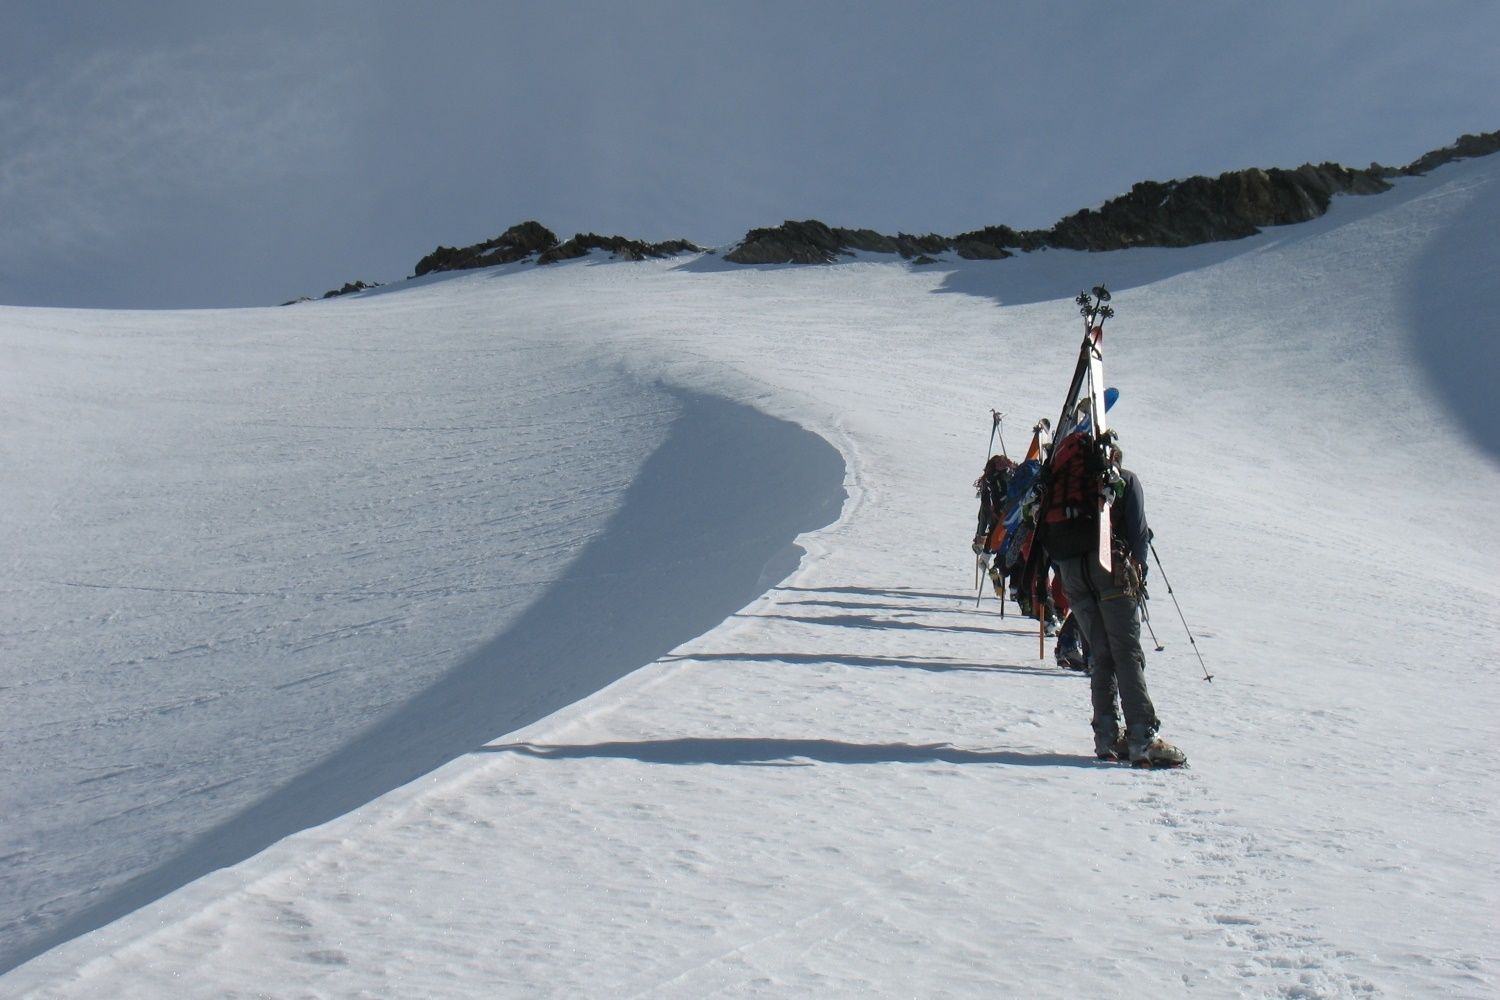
point(1067, 528)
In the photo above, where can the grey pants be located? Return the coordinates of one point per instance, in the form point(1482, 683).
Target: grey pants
point(1111, 622)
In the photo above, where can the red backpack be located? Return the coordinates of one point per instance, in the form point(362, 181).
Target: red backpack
point(1072, 480)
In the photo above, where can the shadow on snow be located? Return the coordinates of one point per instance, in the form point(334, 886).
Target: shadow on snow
point(959, 608)
point(893, 592)
point(706, 527)
point(789, 753)
point(872, 622)
point(928, 663)
point(1452, 337)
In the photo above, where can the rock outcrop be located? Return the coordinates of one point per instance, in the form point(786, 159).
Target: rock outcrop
point(1177, 213)
point(530, 240)
point(1206, 210)
point(349, 288)
point(1467, 147)
point(1154, 213)
point(620, 247)
point(812, 242)
point(515, 244)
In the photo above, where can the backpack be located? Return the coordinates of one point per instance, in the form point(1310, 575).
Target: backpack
point(992, 487)
point(1000, 477)
point(1070, 507)
point(1005, 539)
point(1073, 479)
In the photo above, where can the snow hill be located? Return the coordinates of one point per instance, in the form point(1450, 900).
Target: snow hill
point(608, 629)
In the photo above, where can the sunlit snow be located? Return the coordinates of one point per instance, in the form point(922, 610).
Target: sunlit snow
point(609, 629)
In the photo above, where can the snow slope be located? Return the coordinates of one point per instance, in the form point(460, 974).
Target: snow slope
point(442, 517)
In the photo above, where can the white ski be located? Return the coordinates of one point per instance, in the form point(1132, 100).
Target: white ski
point(1098, 415)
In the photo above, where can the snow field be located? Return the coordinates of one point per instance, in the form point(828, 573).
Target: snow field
point(860, 785)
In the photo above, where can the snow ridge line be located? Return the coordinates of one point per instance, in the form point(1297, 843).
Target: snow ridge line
point(728, 477)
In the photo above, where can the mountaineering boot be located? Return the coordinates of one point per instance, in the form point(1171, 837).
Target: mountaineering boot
point(1152, 751)
point(1072, 659)
point(1069, 652)
point(1109, 742)
point(1115, 750)
point(1158, 753)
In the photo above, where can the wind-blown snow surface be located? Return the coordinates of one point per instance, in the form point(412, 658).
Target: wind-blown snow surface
point(855, 785)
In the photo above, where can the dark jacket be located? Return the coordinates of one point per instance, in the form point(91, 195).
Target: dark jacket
point(1127, 518)
point(992, 486)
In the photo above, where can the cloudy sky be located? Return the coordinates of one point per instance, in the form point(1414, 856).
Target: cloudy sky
point(199, 153)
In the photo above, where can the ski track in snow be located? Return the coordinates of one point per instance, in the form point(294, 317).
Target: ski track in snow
point(861, 785)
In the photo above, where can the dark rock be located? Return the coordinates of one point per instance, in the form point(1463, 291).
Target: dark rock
point(809, 242)
point(979, 250)
point(564, 251)
point(812, 242)
point(1175, 213)
point(914, 246)
point(619, 246)
point(867, 240)
point(1003, 238)
point(1209, 209)
point(352, 286)
point(1178, 213)
point(1466, 147)
point(532, 239)
point(515, 244)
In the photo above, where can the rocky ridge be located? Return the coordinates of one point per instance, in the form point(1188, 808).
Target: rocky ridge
point(534, 240)
point(1177, 213)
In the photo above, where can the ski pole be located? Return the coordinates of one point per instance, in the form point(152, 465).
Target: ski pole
point(978, 558)
point(1206, 675)
point(1140, 587)
point(995, 416)
point(1146, 617)
point(999, 425)
point(1039, 602)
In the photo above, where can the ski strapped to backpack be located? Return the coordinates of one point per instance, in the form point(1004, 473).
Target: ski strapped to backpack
point(1005, 537)
point(1077, 482)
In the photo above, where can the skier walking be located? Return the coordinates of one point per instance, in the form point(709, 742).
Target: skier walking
point(990, 487)
point(1108, 607)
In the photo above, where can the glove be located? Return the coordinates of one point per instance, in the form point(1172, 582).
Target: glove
point(1114, 484)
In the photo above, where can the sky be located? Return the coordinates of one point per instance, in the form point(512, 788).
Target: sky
point(191, 154)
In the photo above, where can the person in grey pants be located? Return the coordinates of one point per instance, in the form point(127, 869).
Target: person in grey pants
point(1107, 606)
